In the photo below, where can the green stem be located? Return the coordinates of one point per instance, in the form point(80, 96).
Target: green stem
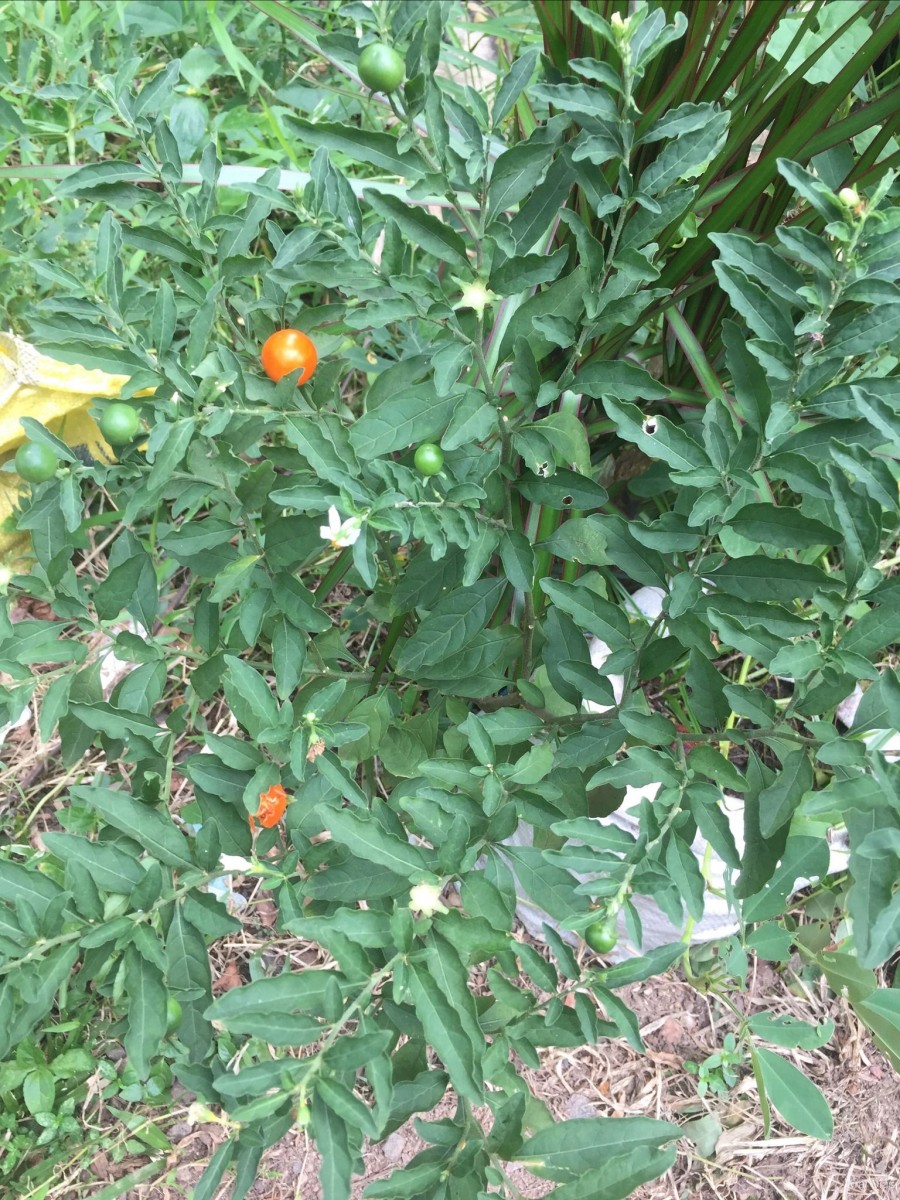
point(394, 632)
point(334, 574)
point(316, 1064)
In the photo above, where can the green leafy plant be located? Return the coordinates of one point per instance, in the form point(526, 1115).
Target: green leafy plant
point(718, 1072)
point(368, 677)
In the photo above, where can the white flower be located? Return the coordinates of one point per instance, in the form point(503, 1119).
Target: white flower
point(199, 1114)
point(849, 196)
point(475, 295)
point(234, 862)
point(341, 533)
point(425, 898)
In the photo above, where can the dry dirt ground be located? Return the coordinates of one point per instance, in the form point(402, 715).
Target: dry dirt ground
point(861, 1162)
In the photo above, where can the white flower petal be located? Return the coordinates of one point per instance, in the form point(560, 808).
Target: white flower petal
point(233, 862)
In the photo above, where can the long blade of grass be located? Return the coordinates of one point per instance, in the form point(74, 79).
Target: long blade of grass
point(695, 355)
point(795, 144)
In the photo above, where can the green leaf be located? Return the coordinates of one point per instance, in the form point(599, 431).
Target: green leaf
point(102, 173)
point(684, 871)
point(713, 823)
point(687, 155)
point(413, 416)
point(146, 1010)
point(880, 707)
point(778, 579)
point(360, 145)
point(526, 271)
point(804, 857)
point(568, 1149)
point(576, 681)
point(621, 379)
point(18, 883)
point(450, 626)
point(683, 119)
point(751, 387)
point(419, 1094)
point(791, 1032)
point(707, 691)
point(249, 697)
point(578, 540)
point(288, 656)
point(755, 640)
point(39, 1091)
point(779, 801)
point(187, 961)
point(446, 963)
point(874, 878)
point(367, 839)
point(444, 1031)
point(859, 521)
point(785, 528)
point(208, 1184)
point(421, 228)
point(530, 225)
point(795, 1097)
point(292, 991)
point(653, 728)
point(619, 1177)
point(338, 1152)
point(564, 298)
point(345, 1105)
point(771, 941)
point(760, 261)
point(657, 437)
point(550, 888)
point(517, 557)
point(577, 98)
point(111, 869)
point(638, 969)
point(513, 84)
point(116, 722)
point(767, 317)
point(154, 829)
point(564, 490)
point(866, 333)
point(590, 612)
point(407, 1183)
point(880, 1010)
point(515, 174)
point(472, 421)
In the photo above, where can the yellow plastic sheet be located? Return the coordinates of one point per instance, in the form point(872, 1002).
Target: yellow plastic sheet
point(56, 394)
